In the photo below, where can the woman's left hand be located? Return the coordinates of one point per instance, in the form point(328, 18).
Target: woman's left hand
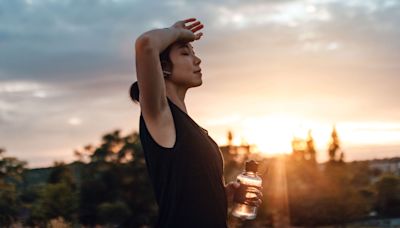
point(231, 188)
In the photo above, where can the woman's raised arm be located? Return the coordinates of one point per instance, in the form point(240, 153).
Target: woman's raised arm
point(148, 47)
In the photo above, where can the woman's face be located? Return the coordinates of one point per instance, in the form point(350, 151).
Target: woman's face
point(185, 64)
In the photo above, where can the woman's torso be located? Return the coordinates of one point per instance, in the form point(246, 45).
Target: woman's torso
point(187, 179)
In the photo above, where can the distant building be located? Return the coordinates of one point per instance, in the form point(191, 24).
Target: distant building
point(237, 153)
point(382, 166)
point(304, 149)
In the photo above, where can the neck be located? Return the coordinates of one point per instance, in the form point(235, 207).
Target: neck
point(176, 94)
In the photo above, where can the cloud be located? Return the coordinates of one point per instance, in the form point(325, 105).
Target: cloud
point(15, 87)
point(66, 40)
point(66, 64)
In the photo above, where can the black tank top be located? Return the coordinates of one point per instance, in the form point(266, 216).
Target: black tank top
point(187, 179)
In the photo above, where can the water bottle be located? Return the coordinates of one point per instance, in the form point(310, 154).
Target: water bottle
point(249, 183)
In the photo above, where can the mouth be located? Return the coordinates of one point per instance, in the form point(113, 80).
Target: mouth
point(197, 71)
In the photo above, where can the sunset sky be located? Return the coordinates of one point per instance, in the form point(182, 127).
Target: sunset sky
point(271, 70)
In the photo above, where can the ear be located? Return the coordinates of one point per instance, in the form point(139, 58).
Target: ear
point(166, 68)
point(166, 73)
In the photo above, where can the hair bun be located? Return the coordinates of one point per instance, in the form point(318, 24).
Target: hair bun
point(134, 92)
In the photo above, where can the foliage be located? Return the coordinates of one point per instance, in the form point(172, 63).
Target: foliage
point(109, 185)
point(388, 196)
point(11, 170)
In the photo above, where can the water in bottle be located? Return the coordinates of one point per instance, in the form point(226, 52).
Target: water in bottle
point(249, 183)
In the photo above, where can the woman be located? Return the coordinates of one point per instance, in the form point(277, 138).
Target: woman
point(184, 163)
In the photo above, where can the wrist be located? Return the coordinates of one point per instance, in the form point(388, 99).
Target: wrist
point(176, 31)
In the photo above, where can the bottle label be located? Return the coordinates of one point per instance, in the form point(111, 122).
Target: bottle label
point(245, 194)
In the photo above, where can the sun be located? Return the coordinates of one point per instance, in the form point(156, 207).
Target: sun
point(272, 134)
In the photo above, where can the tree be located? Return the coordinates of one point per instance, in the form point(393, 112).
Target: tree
point(113, 213)
point(334, 148)
point(118, 173)
point(388, 196)
point(11, 170)
point(56, 200)
point(61, 173)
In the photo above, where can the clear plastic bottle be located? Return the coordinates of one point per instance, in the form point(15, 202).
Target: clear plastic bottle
point(249, 182)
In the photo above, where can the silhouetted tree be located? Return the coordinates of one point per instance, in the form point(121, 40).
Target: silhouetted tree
point(388, 196)
point(11, 170)
point(61, 173)
point(334, 147)
point(117, 173)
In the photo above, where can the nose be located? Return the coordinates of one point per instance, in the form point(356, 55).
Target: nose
point(198, 60)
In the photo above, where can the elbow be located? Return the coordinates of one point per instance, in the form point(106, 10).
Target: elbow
point(143, 42)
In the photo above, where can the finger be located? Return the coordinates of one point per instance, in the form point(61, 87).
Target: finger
point(256, 192)
point(232, 185)
point(199, 36)
point(195, 29)
point(189, 19)
point(259, 194)
point(254, 202)
point(193, 25)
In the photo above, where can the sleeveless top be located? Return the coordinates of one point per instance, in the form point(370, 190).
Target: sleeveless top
point(187, 179)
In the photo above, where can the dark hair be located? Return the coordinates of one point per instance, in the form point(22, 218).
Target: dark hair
point(134, 92)
point(165, 62)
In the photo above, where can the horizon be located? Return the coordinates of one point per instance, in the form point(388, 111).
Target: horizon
point(274, 156)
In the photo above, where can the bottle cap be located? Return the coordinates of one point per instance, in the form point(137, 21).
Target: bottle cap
point(251, 166)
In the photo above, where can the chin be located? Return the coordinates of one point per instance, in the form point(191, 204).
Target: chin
point(199, 83)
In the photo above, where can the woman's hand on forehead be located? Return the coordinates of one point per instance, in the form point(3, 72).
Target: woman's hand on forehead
point(189, 32)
